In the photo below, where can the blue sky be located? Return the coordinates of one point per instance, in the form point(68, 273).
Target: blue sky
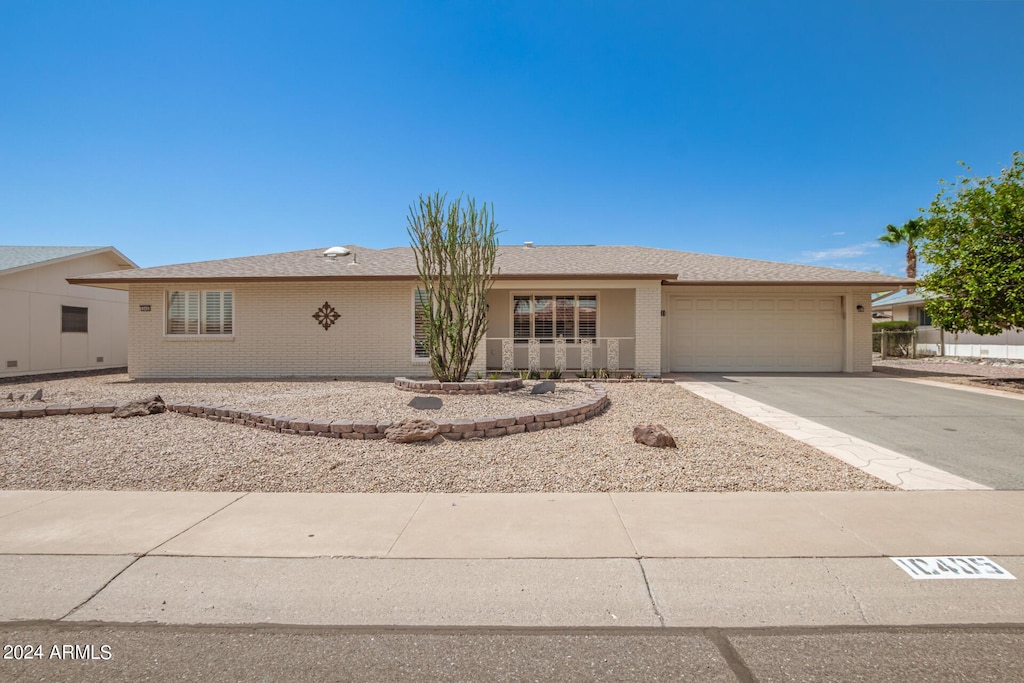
point(787, 131)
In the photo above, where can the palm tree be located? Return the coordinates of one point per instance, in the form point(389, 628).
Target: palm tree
point(910, 233)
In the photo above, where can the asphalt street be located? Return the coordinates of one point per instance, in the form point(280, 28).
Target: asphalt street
point(106, 652)
point(976, 436)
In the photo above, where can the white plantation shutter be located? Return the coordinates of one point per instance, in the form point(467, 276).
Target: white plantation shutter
point(565, 318)
point(217, 313)
point(183, 313)
point(418, 349)
point(521, 315)
point(228, 312)
point(194, 312)
point(543, 316)
point(588, 317)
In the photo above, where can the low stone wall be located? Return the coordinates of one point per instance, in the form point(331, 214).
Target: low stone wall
point(46, 411)
point(483, 386)
point(451, 429)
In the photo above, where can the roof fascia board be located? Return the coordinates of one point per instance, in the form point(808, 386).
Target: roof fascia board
point(786, 283)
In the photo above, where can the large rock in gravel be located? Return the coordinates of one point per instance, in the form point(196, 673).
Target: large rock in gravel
point(144, 406)
point(545, 387)
point(653, 435)
point(408, 431)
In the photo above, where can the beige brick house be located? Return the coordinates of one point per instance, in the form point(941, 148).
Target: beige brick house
point(352, 313)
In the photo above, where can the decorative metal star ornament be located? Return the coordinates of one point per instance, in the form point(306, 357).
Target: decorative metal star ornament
point(326, 315)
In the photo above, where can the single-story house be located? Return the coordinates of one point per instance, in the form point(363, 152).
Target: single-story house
point(48, 325)
point(351, 311)
point(910, 306)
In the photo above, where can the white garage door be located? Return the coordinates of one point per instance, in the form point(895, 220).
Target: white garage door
point(751, 333)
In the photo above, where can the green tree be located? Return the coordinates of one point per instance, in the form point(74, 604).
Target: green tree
point(975, 241)
point(910, 233)
point(455, 246)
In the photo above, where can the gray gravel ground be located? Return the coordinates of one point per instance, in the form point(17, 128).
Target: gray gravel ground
point(987, 373)
point(718, 450)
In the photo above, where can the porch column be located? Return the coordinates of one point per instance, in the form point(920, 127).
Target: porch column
point(647, 329)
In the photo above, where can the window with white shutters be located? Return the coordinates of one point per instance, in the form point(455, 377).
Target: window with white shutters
point(419, 313)
point(193, 312)
point(547, 317)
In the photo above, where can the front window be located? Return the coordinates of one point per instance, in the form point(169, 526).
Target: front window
point(200, 312)
point(547, 317)
point(923, 319)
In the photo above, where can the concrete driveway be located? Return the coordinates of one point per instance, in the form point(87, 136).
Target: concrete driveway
point(976, 436)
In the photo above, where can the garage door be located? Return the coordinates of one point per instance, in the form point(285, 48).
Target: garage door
point(767, 334)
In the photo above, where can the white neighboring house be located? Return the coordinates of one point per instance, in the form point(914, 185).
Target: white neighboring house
point(931, 339)
point(49, 325)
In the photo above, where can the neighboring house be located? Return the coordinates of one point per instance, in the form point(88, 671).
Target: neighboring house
point(647, 310)
point(49, 325)
point(931, 339)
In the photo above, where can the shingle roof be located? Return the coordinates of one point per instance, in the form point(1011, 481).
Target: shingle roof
point(513, 262)
point(14, 258)
point(901, 298)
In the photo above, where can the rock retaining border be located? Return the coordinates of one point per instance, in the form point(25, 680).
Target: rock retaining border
point(451, 429)
point(483, 386)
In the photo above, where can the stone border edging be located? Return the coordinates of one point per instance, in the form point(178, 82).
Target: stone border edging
point(451, 429)
point(482, 386)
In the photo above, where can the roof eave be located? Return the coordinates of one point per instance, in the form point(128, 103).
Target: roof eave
point(69, 257)
point(843, 283)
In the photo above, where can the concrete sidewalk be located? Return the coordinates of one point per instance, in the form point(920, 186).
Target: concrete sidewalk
point(561, 560)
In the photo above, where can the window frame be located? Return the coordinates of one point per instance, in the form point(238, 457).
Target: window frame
point(78, 310)
point(554, 297)
point(201, 321)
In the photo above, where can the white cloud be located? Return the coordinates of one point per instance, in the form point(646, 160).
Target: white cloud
point(852, 251)
point(839, 233)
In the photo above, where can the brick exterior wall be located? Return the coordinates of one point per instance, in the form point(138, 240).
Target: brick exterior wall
point(275, 333)
point(648, 329)
point(861, 329)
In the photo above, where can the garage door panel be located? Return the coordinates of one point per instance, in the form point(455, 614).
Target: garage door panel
point(756, 333)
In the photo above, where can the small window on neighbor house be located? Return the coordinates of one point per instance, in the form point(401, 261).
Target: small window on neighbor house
point(205, 313)
point(74, 319)
point(923, 319)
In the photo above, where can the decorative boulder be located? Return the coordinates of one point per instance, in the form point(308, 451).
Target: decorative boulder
point(408, 431)
point(653, 435)
point(145, 406)
point(545, 387)
point(425, 403)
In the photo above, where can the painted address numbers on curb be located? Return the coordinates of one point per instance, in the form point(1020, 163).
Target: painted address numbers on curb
point(958, 567)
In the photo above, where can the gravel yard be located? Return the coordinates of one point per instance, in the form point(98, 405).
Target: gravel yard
point(718, 450)
point(988, 373)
